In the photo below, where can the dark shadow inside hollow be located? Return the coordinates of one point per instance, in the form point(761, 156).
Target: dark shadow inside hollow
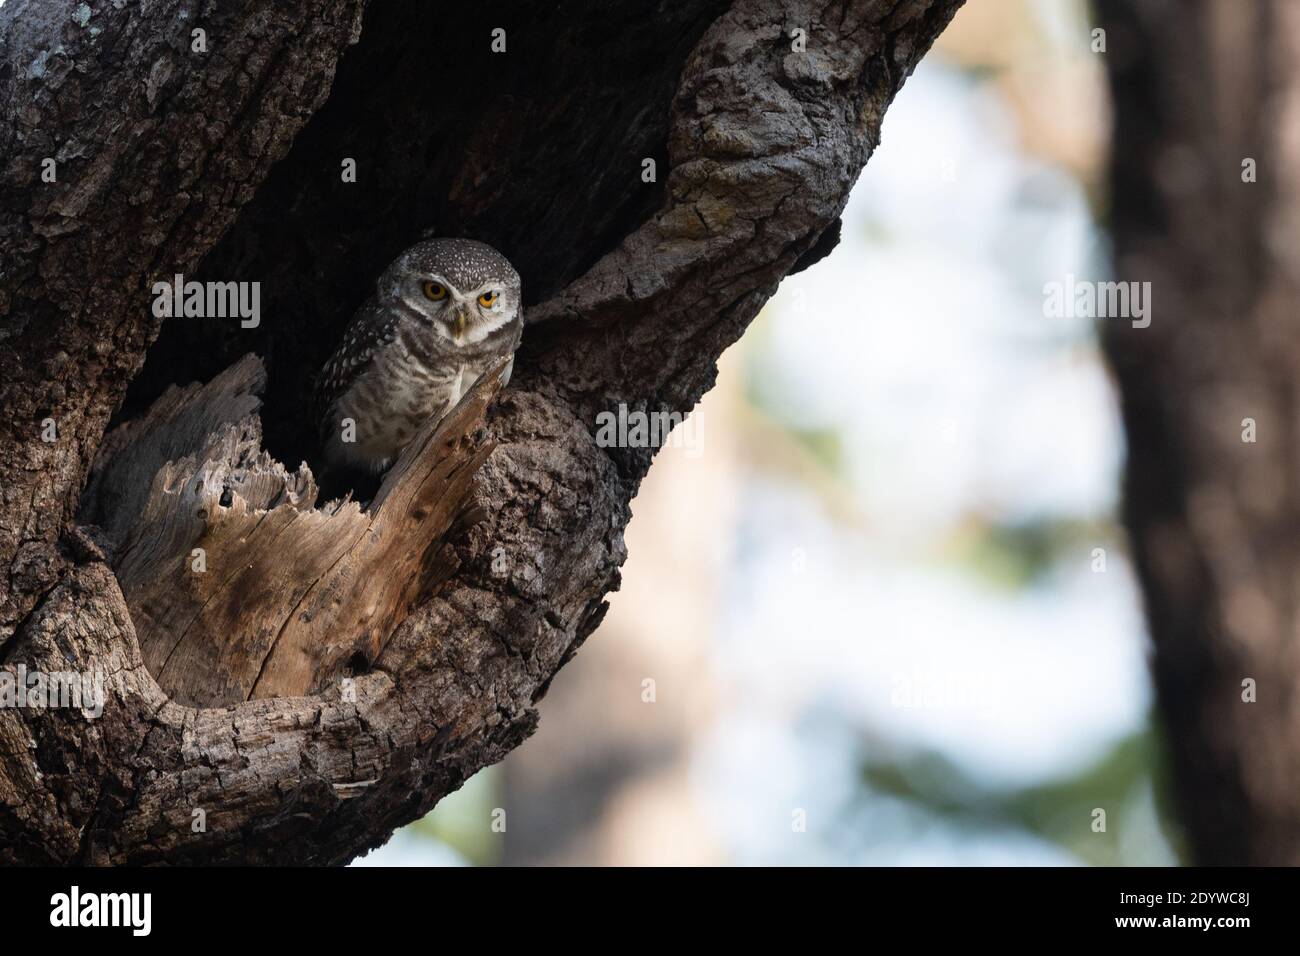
point(537, 150)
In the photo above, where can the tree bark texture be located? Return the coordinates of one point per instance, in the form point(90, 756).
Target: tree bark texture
point(225, 165)
point(1199, 88)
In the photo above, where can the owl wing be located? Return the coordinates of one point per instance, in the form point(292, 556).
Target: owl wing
point(369, 331)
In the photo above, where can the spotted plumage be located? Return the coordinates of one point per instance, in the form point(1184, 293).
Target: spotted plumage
point(442, 314)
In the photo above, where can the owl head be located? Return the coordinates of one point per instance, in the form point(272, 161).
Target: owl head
point(464, 290)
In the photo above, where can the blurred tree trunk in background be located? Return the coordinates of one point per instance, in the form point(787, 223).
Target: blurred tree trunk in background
point(1204, 93)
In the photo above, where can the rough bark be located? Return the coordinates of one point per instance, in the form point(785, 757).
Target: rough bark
point(208, 164)
point(1215, 520)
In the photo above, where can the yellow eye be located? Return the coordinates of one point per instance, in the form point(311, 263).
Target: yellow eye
point(435, 291)
point(487, 299)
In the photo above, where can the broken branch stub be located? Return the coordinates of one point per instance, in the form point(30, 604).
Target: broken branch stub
point(238, 586)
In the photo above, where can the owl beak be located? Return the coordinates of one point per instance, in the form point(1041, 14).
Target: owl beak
point(458, 326)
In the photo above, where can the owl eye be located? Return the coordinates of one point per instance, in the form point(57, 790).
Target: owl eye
point(435, 291)
point(487, 299)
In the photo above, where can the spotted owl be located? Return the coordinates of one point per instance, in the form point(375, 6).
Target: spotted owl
point(443, 313)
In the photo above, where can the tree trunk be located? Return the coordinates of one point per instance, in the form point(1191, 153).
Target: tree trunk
point(1199, 88)
point(223, 163)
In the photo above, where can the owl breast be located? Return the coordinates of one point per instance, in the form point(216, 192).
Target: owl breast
point(390, 403)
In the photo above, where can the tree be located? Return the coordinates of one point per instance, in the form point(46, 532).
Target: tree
point(654, 173)
point(1202, 210)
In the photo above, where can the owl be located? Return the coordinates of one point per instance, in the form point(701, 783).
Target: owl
point(443, 313)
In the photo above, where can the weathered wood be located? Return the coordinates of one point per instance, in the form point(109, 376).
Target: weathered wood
point(156, 150)
point(237, 586)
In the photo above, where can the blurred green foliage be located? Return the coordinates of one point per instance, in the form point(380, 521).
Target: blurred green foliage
point(462, 820)
point(1016, 556)
point(1059, 811)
